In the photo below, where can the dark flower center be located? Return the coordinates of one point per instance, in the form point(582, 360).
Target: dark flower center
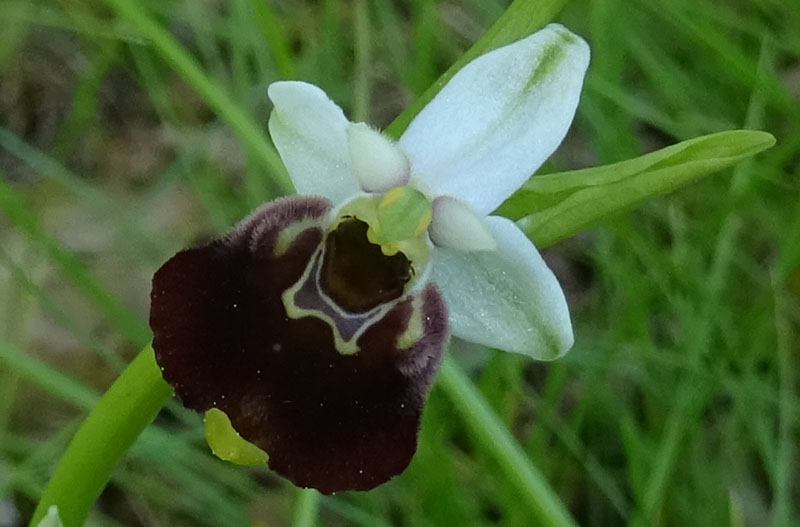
point(356, 274)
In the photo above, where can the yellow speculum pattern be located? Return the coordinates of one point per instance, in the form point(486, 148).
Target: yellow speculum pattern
point(397, 222)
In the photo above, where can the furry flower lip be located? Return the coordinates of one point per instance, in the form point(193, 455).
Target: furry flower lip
point(311, 334)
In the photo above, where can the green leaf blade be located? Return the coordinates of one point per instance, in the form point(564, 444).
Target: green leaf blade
point(554, 206)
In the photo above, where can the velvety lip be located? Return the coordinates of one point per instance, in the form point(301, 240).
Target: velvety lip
point(329, 421)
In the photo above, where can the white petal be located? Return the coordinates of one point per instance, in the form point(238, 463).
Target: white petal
point(456, 225)
point(499, 118)
point(507, 299)
point(378, 163)
point(310, 132)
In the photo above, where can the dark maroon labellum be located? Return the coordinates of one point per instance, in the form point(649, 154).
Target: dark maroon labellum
point(223, 339)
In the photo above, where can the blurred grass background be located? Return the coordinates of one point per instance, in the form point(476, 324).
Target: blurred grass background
point(677, 406)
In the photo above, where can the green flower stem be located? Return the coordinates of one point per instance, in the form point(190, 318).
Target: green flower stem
point(495, 439)
point(113, 425)
point(306, 507)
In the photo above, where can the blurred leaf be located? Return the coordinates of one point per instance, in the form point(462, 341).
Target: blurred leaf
point(276, 37)
point(23, 217)
point(57, 383)
point(176, 55)
point(554, 206)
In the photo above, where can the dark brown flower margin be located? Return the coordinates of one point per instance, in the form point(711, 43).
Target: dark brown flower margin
point(223, 340)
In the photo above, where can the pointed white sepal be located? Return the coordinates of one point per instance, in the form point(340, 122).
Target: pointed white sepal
point(310, 132)
point(456, 225)
point(377, 162)
point(506, 299)
point(497, 120)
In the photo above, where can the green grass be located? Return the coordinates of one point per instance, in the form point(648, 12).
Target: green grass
point(130, 133)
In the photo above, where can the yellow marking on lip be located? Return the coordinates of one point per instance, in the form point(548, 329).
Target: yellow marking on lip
point(226, 443)
point(414, 327)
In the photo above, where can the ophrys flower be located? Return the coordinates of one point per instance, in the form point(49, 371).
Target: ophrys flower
point(317, 325)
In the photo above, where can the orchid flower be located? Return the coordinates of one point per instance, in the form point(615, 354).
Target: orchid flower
point(310, 335)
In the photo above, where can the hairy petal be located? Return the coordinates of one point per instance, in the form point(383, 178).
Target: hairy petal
point(499, 118)
point(326, 420)
point(310, 132)
point(456, 225)
point(377, 162)
point(506, 299)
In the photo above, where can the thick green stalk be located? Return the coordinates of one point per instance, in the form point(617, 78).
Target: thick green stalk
point(113, 425)
point(495, 439)
point(306, 507)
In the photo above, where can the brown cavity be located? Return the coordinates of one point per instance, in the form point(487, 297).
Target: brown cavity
point(356, 274)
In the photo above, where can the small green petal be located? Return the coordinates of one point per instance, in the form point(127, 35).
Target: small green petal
point(403, 213)
point(227, 444)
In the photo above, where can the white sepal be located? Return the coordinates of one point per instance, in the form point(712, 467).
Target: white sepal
point(506, 299)
point(310, 132)
point(498, 119)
